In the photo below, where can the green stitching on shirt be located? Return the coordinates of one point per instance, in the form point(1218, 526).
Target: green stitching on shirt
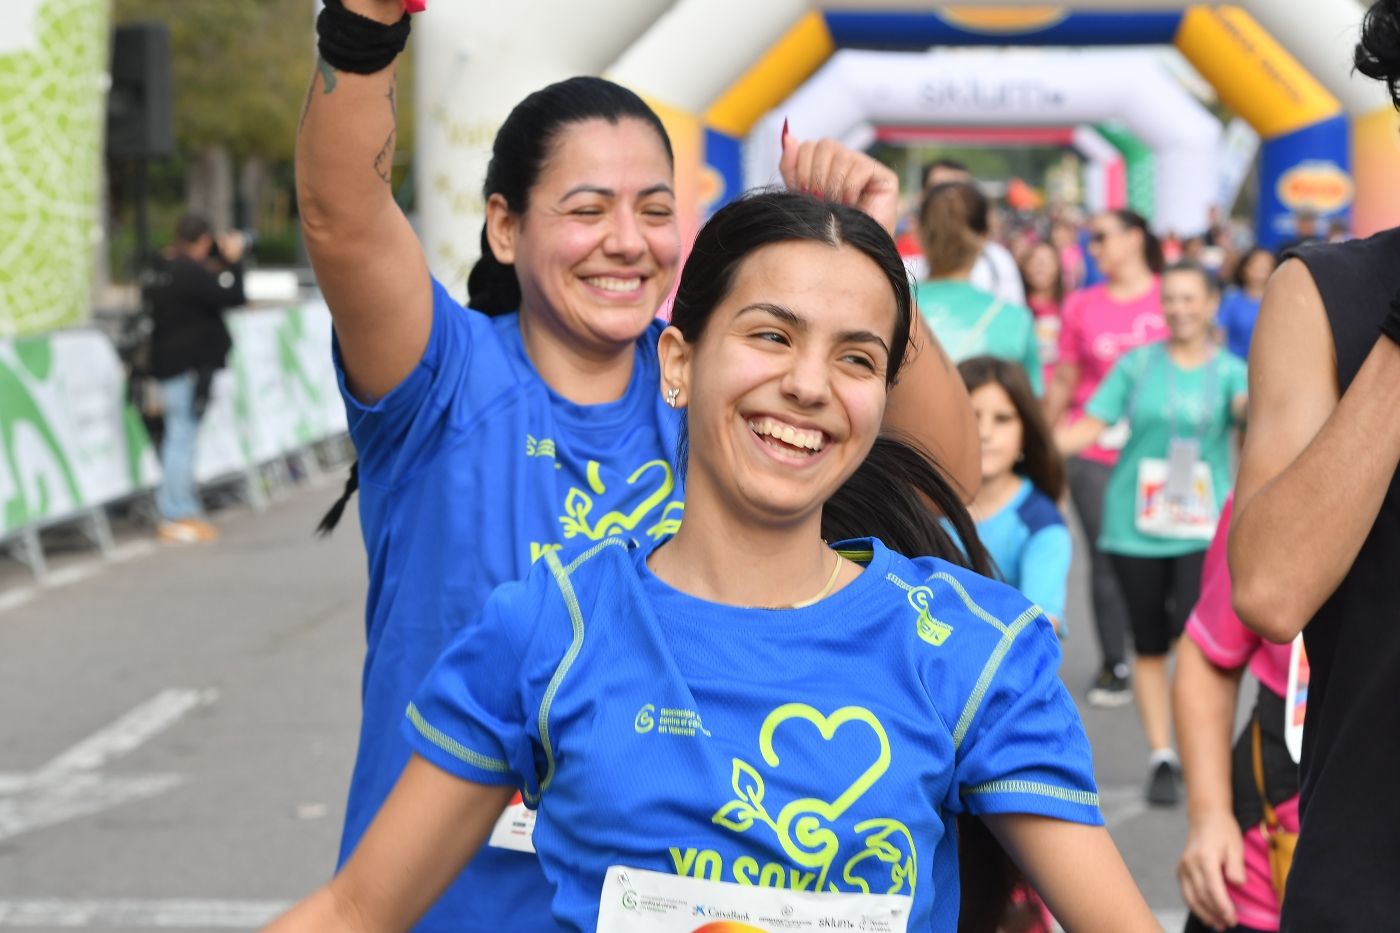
point(454, 748)
point(990, 669)
point(1034, 787)
point(566, 589)
point(972, 606)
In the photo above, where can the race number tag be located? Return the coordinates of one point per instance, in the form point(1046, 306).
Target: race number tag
point(516, 827)
point(639, 901)
point(1295, 701)
point(1191, 514)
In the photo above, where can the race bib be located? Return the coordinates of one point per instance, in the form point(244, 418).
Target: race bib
point(516, 828)
point(639, 901)
point(1171, 505)
point(1295, 702)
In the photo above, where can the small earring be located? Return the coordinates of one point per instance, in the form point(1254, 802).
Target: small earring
point(671, 396)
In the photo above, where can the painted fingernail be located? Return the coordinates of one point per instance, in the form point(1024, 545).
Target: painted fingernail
point(785, 131)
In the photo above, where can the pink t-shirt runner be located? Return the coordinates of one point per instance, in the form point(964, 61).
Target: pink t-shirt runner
point(1095, 330)
point(1226, 643)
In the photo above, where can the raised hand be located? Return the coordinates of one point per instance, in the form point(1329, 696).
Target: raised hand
point(828, 169)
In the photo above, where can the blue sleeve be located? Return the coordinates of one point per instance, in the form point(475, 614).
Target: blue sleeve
point(1109, 403)
point(1022, 747)
point(1045, 562)
point(476, 714)
point(462, 369)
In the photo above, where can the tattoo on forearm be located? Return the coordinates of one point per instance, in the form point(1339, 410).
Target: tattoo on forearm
point(384, 161)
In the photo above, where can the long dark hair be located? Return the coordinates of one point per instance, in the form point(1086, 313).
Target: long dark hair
point(1041, 462)
point(1378, 53)
point(523, 145)
point(1152, 253)
point(889, 497)
point(890, 494)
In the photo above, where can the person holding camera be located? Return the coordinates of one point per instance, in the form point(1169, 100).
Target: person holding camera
point(194, 282)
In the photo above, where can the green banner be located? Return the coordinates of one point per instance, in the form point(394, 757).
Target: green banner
point(53, 75)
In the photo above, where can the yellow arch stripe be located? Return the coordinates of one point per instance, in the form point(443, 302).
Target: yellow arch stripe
point(1253, 74)
point(782, 70)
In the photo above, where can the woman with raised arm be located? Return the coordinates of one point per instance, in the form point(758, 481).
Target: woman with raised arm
point(740, 711)
point(526, 422)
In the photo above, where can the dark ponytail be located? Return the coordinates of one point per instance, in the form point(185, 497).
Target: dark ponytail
point(888, 497)
point(492, 287)
point(523, 146)
point(1378, 53)
point(1152, 252)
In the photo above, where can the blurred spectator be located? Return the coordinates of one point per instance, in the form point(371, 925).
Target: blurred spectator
point(1305, 231)
point(193, 284)
point(1100, 323)
point(1064, 236)
point(1224, 872)
point(1045, 294)
point(995, 270)
point(1022, 478)
point(1240, 306)
point(1180, 398)
point(968, 320)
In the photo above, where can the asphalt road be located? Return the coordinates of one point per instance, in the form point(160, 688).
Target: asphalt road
point(177, 727)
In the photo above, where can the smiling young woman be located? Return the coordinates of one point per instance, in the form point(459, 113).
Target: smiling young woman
point(526, 417)
point(825, 742)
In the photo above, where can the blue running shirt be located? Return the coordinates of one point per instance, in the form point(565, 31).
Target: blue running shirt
point(824, 748)
point(1030, 543)
point(469, 471)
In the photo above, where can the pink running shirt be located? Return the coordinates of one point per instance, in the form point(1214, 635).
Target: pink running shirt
point(1226, 643)
point(1095, 330)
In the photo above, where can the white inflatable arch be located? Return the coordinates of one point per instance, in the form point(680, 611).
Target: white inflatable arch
point(1013, 87)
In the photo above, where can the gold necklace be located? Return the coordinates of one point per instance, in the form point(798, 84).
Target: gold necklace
point(825, 590)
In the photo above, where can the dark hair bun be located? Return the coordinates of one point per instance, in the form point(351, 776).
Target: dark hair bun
point(1378, 52)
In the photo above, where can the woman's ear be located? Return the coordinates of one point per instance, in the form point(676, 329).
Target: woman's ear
point(675, 354)
point(501, 228)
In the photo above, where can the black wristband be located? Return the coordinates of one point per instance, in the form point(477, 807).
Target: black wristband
point(357, 44)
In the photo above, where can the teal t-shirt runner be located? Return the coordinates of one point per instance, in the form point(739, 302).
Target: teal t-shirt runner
point(970, 322)
point(1162, 401)
point(827, 748)
point(471, 470)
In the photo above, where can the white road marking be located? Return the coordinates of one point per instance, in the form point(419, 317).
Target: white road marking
point(70, 785)
point(67, 576)
point(139, 914)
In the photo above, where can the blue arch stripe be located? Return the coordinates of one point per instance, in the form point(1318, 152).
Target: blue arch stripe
point(905, 31)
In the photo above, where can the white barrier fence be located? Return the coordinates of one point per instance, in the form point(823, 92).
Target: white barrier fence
point(70, 444)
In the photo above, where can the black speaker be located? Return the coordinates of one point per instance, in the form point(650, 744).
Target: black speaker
point(140, 111)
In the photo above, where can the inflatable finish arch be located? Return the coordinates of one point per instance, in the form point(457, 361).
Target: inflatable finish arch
point(1305, 161)
point(975, 87)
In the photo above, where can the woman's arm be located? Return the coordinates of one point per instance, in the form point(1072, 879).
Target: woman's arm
point(368, 261)
point(1073, 438)
point(429, 828)
point(1078, 871)
point(929, 404)
point(1203, 706)
point(1060, 391)
point(1315, 467)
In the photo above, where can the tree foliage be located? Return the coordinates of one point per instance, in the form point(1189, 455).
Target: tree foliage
point(240, 69)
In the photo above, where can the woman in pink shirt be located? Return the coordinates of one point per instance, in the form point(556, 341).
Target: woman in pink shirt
point(1224, 870)
point(1099, 324)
